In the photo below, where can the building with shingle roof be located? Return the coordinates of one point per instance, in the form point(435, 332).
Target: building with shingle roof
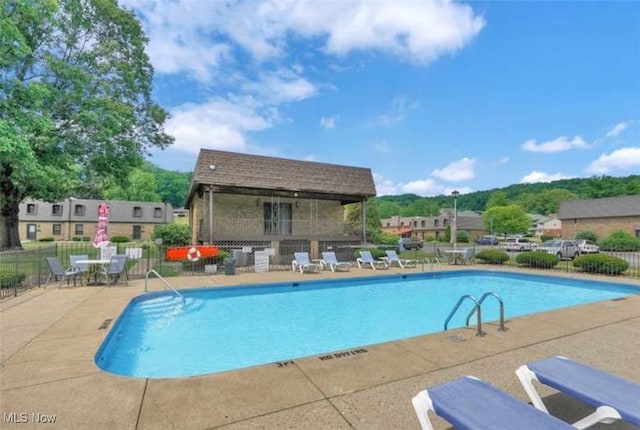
point(238, 199)
point(434, 227)
point(602, 216)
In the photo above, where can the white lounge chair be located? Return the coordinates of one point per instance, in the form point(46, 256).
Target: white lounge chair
point(394, 258)
point(330, 259)
point(301, 262)
point(366, 259)
point(472, 404)
point(613, 397)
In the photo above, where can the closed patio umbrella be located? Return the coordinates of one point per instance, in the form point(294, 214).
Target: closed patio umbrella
point(101, 238)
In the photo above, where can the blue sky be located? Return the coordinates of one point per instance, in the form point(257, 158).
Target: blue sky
point(432, 96)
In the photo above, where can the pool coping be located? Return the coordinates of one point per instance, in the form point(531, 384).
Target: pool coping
point(50, 338)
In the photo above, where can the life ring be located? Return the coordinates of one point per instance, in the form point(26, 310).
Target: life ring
point(193, 254)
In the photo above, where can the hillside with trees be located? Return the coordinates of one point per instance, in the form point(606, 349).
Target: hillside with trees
point(542, 198)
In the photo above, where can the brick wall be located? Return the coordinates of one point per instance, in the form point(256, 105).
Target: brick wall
point(602, 227)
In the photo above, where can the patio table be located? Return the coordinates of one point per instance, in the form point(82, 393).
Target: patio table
point(96, 266)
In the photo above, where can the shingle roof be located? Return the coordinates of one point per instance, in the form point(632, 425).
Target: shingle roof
point(600, 208)
point(270, 173)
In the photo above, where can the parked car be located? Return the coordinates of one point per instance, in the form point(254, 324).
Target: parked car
point(487, 240)
point(518, 244)
point(407, 243)
point(561, 248)
point(587, 247)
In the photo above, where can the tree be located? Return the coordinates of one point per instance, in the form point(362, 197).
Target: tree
point(76, 108)
point(353, 220)
point(421, 207)
point(140, 187)
point(509, 219)
point(497, 198)
point(387, 209)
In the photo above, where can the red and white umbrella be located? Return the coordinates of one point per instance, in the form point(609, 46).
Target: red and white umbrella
point(102, 239)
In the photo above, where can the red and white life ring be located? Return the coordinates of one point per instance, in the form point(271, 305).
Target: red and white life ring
point(193, 254)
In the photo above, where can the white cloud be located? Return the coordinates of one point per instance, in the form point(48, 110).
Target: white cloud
point(398, 111)
point(422, 187)
point(216, 124)
point(196, 37)
point(619, 160)
point(504, 160)
point(536, 176)
point(461, 170)
point(619, 128)
point(328, 122)
point(559, 144)
point(381, 145)
point(280, 86)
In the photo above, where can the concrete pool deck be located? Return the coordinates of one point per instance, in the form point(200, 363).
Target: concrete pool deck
point(48, 339)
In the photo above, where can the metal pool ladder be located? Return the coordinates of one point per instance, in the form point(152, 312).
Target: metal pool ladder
point(484, 296)
point(146, 281)
point(476, 307)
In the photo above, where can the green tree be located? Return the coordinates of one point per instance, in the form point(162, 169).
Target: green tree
point(75, 101)
point(509, 219)
point(173, 234)
point(140, 187)
point(387, 209)
point(353, 220)
point(497, 198)
point(421, 207)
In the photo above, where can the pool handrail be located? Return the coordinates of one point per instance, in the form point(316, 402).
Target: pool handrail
point(476, 307)
point(499, 299)
point(146, 280)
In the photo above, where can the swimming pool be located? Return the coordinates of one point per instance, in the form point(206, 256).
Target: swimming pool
point(219, 329)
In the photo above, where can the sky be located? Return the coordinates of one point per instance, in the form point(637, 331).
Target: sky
point(431, 96)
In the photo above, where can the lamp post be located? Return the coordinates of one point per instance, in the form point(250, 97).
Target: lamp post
point(71, 199)
point(454, 224)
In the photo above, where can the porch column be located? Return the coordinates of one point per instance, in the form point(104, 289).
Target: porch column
point(364, 220)
point(210, 214)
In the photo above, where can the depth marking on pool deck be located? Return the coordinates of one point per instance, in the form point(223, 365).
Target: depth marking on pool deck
point(342, 354)
point(105, 324)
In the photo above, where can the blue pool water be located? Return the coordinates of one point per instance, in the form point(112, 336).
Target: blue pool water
point(229, 328)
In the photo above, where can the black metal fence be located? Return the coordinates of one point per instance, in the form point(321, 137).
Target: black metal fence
point(22, 269)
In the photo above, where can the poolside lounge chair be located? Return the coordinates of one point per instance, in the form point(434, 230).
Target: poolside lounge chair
point(330, 259)
point(469, 255)
point(117, 267)
point(613, 397)
point(56, 270)
point(469, 403)
point(393, 257)
point(367, 259)
point(301, 262)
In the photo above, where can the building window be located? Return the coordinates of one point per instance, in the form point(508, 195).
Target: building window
point(157, 212)
point(56, 210)
point(388, 224)
point(444, 222)
point(415, 223)
point(277, 218)
point(57, 229)
point(423, 224)
point(32, 208)
point(137, 232)
point(79, 229)
point(436, 222)
point(78, 210)
point(401, 223)
point(137, 212)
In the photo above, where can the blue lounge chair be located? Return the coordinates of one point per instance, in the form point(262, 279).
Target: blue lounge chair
point(330, 259)
point(301, 262)
point(613, 397)
point(394, 258)
point(366, 259)
point(469, 403)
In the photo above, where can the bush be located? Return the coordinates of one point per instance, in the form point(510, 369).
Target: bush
point(11, 279)
point(119, 239)
point(537, 259)
point(545, 237)
point(387, 239)
point(76, 238)
point(375, 252)
point(620, 241)
point(429, 239)
point(492, 256)
point(587, 235)
point(462, 237)
point(46, 239)
point(173, 234)
point(600, 263)
point(86, 239)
